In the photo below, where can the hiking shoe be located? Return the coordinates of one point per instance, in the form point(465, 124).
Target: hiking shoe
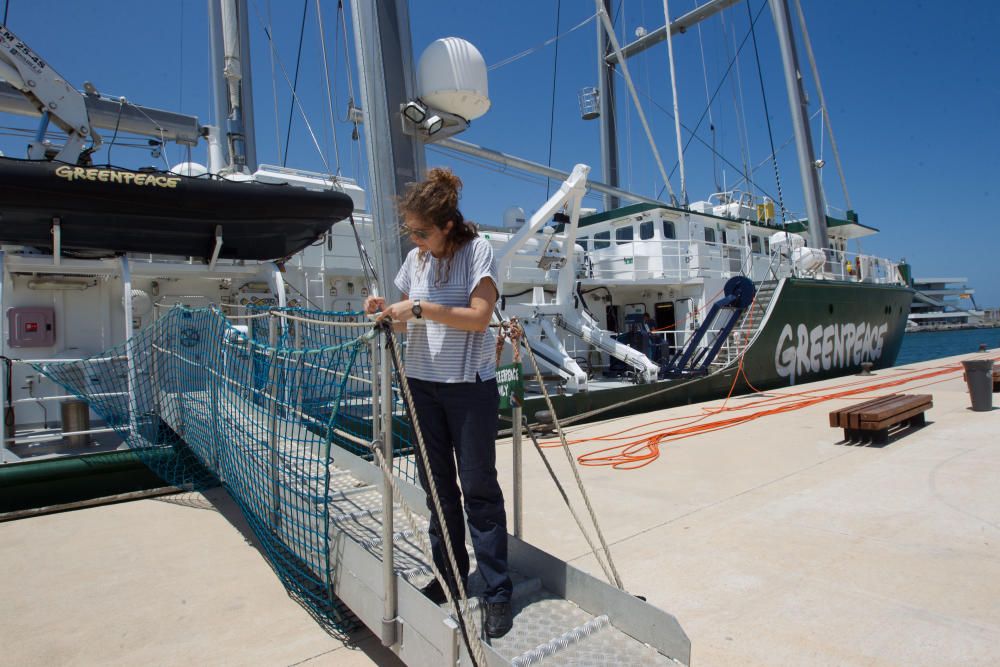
point(435, 593)
point(499, 619)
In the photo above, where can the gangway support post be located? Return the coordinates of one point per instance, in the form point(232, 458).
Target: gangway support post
point(382, 437)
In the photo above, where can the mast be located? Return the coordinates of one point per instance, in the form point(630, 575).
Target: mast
point(813, 192)
point(231, 92)
point(385, 67)
point(606, 96)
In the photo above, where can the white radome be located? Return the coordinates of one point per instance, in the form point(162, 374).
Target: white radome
point(451, 76)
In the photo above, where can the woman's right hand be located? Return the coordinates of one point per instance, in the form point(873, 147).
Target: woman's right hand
point(373, 304)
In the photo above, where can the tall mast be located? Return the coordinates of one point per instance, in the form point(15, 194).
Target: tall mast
point(609, 131)
point(231, 91)
point(815, 206)
point(385, 66)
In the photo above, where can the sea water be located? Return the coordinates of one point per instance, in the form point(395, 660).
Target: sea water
point(924, 345)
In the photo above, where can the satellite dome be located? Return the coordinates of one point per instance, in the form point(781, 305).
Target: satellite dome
point(451, 76)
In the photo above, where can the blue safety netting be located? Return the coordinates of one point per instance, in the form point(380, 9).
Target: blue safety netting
point(258, 404)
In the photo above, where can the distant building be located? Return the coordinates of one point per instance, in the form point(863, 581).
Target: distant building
point(938, 303)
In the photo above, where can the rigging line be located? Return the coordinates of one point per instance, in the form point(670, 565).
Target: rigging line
point(609, 29)
point(822, 101)
point(782, 147)
point(295, 83)
point(718, 88)
point(118, 120)
point(539, 47)
point(695, 137)
point(329, 93)
point(767, 117)
point(552, 106)
point(347, 51)
point(742, 129)
point(708, 99)
point(288, 82)
point(274, 85)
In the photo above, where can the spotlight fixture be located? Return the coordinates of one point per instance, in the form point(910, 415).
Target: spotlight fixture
point(433, 124)
point(415, 111)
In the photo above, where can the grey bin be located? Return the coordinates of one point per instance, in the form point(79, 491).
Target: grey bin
point(75, 417)
point(979, 378)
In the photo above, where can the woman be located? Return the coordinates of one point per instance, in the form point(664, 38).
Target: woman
point(449, 287)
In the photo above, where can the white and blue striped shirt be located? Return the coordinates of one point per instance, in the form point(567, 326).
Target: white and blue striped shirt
point(436, 352)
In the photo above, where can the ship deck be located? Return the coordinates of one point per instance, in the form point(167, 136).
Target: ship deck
point(773, 543)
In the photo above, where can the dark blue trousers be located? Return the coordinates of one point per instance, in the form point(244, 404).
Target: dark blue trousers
point(459, 424)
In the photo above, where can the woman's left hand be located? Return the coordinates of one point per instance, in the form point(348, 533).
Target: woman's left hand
point(401, 311)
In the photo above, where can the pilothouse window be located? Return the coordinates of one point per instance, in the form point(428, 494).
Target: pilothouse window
point(709, 235)
point(602, 240)
point(623, 234)
point(668, 230)
point(584, 242)
point(755, 244)
point(646, 231)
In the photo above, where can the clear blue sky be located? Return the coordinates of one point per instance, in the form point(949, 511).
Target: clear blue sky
point(913, 90)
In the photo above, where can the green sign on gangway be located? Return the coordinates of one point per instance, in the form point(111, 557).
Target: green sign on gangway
point(510, 383)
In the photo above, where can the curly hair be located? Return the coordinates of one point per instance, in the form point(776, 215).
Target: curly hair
point(435, 202)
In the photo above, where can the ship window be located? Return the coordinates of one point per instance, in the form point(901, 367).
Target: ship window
point(767, 246)
point(755, 244)
point(584, 242)
point(709, 235)
point(725, 239)
point(668, 230)
point(623, 233)
point(646, 230)
point(602, 240)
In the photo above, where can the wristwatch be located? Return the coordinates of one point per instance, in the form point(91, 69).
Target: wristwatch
point(418, 312)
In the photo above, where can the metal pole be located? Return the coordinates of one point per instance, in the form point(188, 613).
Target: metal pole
point(382, 396)
point(384, 52)
point(220, 94)
point(677, 111)
point(3, 375)
point(272, 422)
point(606, 97)
point(535, 168)
point(133, 408)
point(518, 486)
point(815, 206)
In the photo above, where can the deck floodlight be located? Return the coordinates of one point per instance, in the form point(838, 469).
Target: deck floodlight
point(414, 111)
point(433, 124)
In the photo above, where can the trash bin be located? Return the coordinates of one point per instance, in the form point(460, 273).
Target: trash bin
point(979, 378)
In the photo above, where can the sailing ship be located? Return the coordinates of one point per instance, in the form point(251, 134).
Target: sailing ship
point(628, 309)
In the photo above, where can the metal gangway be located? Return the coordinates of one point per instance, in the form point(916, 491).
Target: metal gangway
point(295, 413)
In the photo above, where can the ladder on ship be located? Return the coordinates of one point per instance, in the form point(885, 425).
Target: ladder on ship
point(743, 333)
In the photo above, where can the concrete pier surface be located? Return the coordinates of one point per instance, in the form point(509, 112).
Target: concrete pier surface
point(773, 542)
point(776, 543)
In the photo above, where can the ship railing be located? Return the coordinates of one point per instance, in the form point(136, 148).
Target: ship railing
point(39, 431)
point(671, 260)
point(841, 265)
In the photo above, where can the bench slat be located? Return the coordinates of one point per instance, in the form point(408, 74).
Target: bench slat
point(840, 417)
point(892, 408)
point(854, 416)
point(895, 419)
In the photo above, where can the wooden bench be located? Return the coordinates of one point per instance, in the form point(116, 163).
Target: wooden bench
point(874, 418)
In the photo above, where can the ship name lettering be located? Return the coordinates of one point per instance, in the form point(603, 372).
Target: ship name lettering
point(115, 176)
point(801, 350)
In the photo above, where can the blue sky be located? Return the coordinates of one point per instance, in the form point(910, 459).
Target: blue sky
point(913, 90)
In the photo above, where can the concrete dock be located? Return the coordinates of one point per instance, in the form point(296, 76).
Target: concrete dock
point(773, 542)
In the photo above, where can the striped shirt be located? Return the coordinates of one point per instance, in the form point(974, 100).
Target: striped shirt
point(436, 352)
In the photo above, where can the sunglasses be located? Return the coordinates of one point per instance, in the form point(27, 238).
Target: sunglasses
point(421, 234)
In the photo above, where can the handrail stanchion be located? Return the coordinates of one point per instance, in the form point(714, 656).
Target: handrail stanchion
point(3, 375)
point(133, 406)
point(272, 436)
point(382, 435)
point(518, 505)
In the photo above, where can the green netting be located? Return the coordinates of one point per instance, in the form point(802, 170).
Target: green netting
point(317, 329)
point(261, 419)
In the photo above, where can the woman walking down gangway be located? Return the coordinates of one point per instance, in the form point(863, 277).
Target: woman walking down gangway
point(449, 286)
